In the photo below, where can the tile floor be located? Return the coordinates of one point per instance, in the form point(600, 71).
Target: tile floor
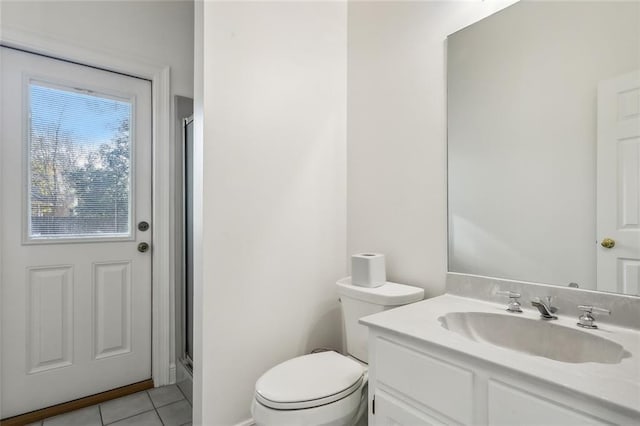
point(165, 406)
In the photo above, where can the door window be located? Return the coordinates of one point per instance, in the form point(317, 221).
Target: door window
point(79, 150)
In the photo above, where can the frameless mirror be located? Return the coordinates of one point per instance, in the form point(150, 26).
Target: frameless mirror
point(544, 145)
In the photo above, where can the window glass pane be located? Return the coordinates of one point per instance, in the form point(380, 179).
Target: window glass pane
point(80, 174)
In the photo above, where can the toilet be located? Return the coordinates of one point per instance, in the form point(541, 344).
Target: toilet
point(327, 388)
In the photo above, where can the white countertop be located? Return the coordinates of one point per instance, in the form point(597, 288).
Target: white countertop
point(618, 384)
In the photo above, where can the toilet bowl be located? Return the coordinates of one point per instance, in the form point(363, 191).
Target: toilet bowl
point(323, 388)
point(328, 388)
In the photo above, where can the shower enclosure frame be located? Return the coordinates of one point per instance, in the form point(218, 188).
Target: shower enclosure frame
point(185, 352)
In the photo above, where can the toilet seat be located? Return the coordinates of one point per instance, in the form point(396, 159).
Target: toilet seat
point(309, 381)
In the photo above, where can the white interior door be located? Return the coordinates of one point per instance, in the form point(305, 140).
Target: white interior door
point(619, 184)
point(75, 182)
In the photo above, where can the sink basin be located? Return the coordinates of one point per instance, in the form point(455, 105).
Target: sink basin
point(534, 337)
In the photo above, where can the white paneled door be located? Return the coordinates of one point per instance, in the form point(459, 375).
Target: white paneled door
point(76, 259)
point(618, 226)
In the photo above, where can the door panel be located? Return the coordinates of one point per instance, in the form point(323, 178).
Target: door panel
point(50, 315)
point(112, 308)
point(76, 177)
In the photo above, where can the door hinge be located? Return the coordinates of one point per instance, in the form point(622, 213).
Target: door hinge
point(373, 405)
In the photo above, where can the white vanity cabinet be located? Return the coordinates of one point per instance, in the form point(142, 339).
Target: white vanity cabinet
point(414, 382)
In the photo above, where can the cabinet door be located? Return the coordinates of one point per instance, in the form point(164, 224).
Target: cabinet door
point(444, 387)
point(509, 406)
point(391, 411)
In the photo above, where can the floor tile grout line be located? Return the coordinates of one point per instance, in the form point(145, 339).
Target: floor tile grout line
point(100, 412)
point(184, 394)
point(154, 407)
point(169, 403)
point(176, 402)
point(137, 414)
point(160, 417)
point(125, 418)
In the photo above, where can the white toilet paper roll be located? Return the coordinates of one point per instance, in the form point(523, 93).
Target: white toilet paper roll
point(368, 270)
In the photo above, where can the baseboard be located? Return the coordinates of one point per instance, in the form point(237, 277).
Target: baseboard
point(248, 422)
point(182, 372)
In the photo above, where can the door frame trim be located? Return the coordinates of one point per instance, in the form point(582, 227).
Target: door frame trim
point(163, 175)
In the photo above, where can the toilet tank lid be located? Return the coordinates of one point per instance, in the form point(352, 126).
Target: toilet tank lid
point(389, 294)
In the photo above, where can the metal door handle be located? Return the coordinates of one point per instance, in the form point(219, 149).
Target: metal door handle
point(143, 247)
point(608, 243)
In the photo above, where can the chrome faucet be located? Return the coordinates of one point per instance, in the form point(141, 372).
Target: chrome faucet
point(545, 308)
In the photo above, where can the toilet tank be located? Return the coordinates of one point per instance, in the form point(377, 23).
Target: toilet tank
point(358, 302)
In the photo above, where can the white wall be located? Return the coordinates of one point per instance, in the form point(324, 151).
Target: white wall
point(397, 133)
point(158, 32)
point(274, 193)
point(522, 136)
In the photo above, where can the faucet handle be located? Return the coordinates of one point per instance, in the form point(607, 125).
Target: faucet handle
point(511, 294)
point(594, 309)
point(514, 304)
point(586, 319)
